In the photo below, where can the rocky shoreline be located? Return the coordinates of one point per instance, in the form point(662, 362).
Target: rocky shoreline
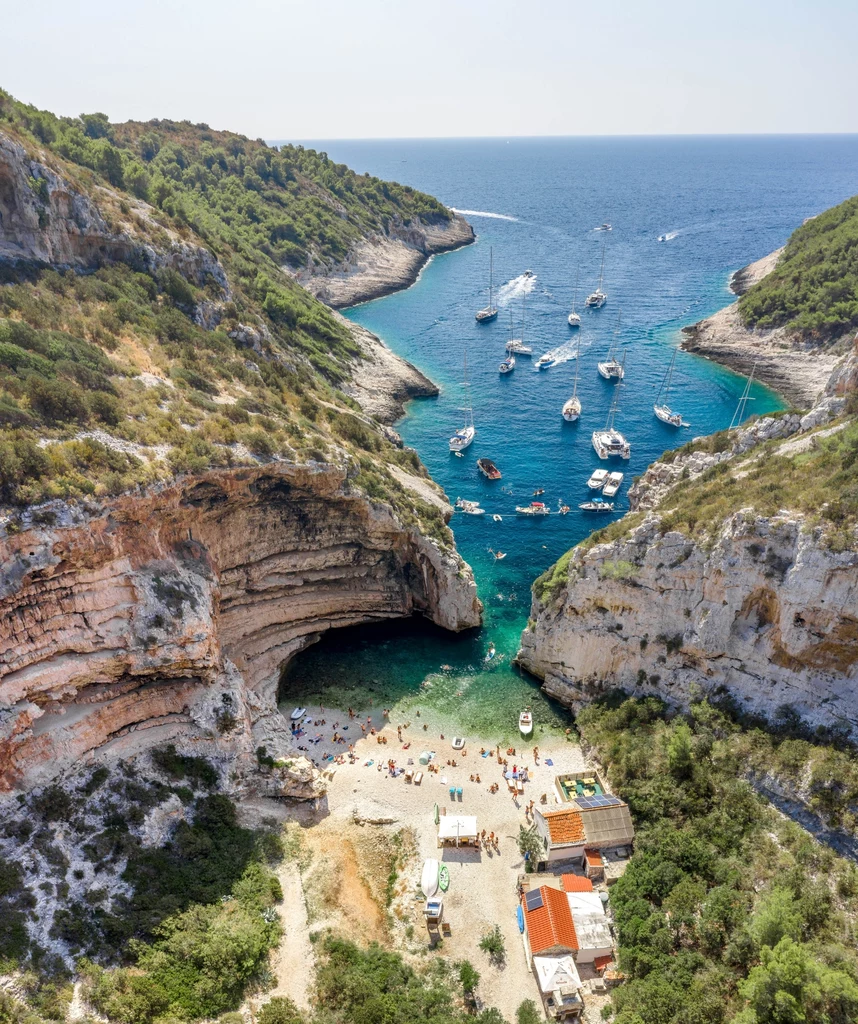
point(796, 369)
point(384, 263)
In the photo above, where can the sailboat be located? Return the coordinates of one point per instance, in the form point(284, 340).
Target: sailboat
point(490, 311)
point(516, 346)
point(741, 408)
point(612, 368)
point(572, 408)
point(463, 437)
point(574, 319)
point(610, 442)
point(598, 298)
point(662, 409)
point(507, 365)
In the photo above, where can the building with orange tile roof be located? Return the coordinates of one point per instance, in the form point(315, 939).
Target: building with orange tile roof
point(548, 925)
point(576, 883)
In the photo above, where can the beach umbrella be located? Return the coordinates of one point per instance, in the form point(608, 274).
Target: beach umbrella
point(437, 815)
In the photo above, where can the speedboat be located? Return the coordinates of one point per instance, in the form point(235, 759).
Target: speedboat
point(604, 227)
point(488, 469)
point(544, 362)
point(610, 442)
point(535, 508)
point(597, 480)
point(298, 713)
point(528, 273)
point(462, 438)
point(596, 505)
point(518, 348)
point(662, 238)
point(507, 365)
point(612, 484)
point(429, 878)
point(525, 723)
point(572, 409)
point(471, 508)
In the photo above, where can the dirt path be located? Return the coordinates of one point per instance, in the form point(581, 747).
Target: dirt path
point(294, 962)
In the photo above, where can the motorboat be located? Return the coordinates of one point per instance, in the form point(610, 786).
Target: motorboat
point(661, 409)
point(471, 507)
point(572, 408)
point(597, 480)
point(598, 298)
point(544, 362)
point(458, 743)
point(507, 365)
point(609, 442)
point(596, 505)
point(612, 484)
point(488, 469)
point(489, 313)
point(535, 508)
point(574, 319)
point(525, 722)
point(429, 878)
point(612, 368)
point(604, 227)
point(662, 238)
point(298, 713)
point(528, 273)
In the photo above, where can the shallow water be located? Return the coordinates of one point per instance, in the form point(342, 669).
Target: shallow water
point(722, 202)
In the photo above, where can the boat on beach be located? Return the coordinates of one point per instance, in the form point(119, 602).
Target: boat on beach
point(429, 878)
point(661, 409)
point(597, 480)
point(598, 298)
point(525, 722)
point(489, 313)
point(596, 505)
point(298, 713)
point(488, 469)
point(613, 484)
point(535, 508)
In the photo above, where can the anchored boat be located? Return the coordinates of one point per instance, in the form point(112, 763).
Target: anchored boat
point(661, 409)
point(535, 508)
point(488, 469)
point(574, 319)
point(597, 480)
point(596, 505)
point(491, 310)
point(613, 484)
point(612, 368)
point(525, 722)
point(610, 442)
point(572, 407)
point(465, 435)
point(598, 298)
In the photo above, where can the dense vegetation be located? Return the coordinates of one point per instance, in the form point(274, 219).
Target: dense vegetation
point(726, 912)
point(127, 375)
point(814, 287)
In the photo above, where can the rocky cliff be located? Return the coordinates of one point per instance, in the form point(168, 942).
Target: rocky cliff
point(172, 613)
point(385, 262)
point(759, 604)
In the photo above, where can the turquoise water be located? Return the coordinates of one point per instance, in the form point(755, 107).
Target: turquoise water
point(722, 202)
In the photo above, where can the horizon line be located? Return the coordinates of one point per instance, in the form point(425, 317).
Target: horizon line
point(604, 135)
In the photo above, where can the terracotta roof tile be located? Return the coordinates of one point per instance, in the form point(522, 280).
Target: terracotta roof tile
point(594, 858)
point(550, 926)
point(601, 962)
point(576, 883)
point(565, 826)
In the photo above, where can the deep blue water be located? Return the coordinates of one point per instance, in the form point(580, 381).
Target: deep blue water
point(723, 202)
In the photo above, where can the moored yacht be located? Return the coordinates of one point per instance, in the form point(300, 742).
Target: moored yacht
point(612, 368)
point(507, 365)
point(596, 505)
point(574, 319)
point(491, 310)
point(610, 442)
point(613, 484)
point(517, 347)
point(598, 298)
point(463, 437)
point(535, 508)
point(572, 407)
point(597, 480)
point(488, 469)
point(661, 409)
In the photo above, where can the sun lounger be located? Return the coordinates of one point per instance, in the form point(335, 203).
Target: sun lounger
point(418, 778)
point(459, 792)
point(510, 785)
point(519, 787)
point(409, 774)
point(452, 792)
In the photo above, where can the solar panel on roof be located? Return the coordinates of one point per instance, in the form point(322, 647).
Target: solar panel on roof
point(588, 802)
point(533, 899)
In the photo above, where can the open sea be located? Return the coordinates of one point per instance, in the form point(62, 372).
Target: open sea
point(721, 202)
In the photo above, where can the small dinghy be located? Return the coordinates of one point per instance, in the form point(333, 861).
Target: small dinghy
point(525, 723)
point(429, 878)
point(298, 713)
point(458, 743)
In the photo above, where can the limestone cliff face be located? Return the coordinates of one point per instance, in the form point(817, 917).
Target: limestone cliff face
point(170, 614)
point(768, 612)
point(385, 262)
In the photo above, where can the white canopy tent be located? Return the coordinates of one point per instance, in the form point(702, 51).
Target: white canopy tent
point(457, 828)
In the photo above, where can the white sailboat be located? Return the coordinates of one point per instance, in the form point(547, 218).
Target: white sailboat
point(507, 365)
point(741, 408)
point(612, 368)
point(572, 408)
point(464, 436)
point(610, 442)
point(491, 310)
point(574, 319)
point(598, 298)
point(661, 408)
point(516, 345)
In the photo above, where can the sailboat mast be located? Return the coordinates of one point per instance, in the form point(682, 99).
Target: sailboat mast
point(739, 414)
point(491, 274)
point(575, 293)
point(577, 365)
point(602, 268)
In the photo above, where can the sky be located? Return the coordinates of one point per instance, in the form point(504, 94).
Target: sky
point(339, 69)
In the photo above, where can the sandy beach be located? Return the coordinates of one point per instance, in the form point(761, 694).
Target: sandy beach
point(368, 813)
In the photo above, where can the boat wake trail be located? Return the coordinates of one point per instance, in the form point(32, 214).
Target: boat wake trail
point(564, 353)
point(669, 237)
point(516, 288)
point(484, 213)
